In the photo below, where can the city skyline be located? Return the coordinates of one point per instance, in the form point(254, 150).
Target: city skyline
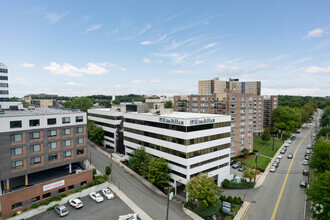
point(164, 48)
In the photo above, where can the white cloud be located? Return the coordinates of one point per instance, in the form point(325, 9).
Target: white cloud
point(177, 58)
point(93, 28)
point(27, 65)
point(261, 66)
point(155, 81)
point(70, 70)
point(146, 60)
point(316, 69)
point(71, 83)
point(209, 46)
point(118, 86)
point(55, 17)
point(147, 27)
point(178, 71)
point(157, 41)
point(197, 62)
point(222, 66)
point(137, 81)
point(317, 32)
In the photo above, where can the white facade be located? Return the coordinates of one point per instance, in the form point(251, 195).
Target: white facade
point(4, 91)
point(191, 143)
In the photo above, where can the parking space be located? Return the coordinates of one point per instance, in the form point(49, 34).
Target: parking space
point(108, 209)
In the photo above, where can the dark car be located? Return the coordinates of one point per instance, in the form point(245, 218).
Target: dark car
point(290, 155)
point(306, 157)
point(232, 162)
point(303, 184)
point(73, 166)
point(298, 132)
point(305, 172)
point(284, 148)
point(293, 138)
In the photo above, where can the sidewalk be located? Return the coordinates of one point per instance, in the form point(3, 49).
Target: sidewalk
point(242, 211)
point(129, 203)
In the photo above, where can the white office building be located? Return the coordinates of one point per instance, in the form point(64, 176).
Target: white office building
point(4, 92)
point(191, 143)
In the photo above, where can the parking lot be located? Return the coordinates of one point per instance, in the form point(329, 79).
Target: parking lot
point(108, 209)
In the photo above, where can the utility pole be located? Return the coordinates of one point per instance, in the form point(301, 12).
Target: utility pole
point(169, 197)
point(273, 143)
point(255, 171)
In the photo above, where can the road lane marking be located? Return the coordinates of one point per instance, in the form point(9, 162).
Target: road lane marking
point(287, 174)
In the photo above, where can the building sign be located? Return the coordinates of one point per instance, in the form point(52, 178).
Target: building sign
point(226, 207)
point(171, 121)
point(202, 121)
point(53, 185)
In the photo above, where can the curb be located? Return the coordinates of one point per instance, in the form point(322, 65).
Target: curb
point(191, 214)
point(242, 211)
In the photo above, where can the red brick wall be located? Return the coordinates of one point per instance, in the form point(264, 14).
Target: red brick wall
point(9, 199)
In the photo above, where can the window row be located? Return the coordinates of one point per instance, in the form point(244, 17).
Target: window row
point(50, 121)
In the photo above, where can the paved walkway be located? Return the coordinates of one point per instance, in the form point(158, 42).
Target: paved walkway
point(242, 211)
point(130, 203)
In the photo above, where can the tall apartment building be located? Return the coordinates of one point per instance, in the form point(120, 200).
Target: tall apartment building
point(245, 109)
point(40, 103)
point(39, 149)
point(4, 92)
point(191, 143)
point(270, 103)
point(213, 86)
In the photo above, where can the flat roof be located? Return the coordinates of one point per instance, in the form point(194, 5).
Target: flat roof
point(37, 111)
point(182, 115)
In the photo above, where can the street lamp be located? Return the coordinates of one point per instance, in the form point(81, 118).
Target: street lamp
point(169, 197)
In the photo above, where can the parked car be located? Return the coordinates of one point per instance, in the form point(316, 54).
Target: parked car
point(303, 184)
point(306, 157)
point(305, 162)
point(289, 141)
point(107, 193)
point(61, 210)
point(283, 151)
point(272, 169)
point(308, 152)
point(293, 138)
point(96, 196)
point(280, 156)
point(76, 203)
point(290, 155)
point(287, 145)
point(309, 146)
point(240, 168)
point(284, 148)
point(236, 165)
point(298, 131)
point(232, 162)
point(277, 160)
point(305, 172)
point(133, 216)
point(275, 164)
point(310, 124)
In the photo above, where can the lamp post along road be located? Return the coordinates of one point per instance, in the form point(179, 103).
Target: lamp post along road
point(169, 197)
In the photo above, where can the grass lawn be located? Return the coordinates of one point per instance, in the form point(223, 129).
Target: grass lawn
point(262, 162)
point(266, 148)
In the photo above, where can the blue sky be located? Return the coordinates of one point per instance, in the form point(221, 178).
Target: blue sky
point(164, 47)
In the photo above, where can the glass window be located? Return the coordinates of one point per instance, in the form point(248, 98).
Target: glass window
point(16, 137)
point(65, 120)
point(35, 135)
point(79, 119)
point(17, 151)
point(52, 157)
point(35, 160)
point(52, 133)
point(44, 196)
point(67, 154)
point(15, 124)
point(80, 140)
point(17, 164)
point(51, 121)
point(52, 145)
point(80, 130)
point(67, 131)
point(66, 143)
point(34, 123)
point(80, 151)
point(35, 148)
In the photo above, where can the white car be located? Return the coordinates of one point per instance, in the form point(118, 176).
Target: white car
point(289, 141)
point(96, 196)
point(76, 203)
point(305, 162)
point(133, 216)
point(272, 169)
point(280, 156)
point(107, 193)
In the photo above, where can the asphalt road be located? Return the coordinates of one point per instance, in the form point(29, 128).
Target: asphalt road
point(108, 209)
point(264, 199)
point(153, 204)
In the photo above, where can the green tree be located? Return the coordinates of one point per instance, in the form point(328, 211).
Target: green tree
point(324, 132)
point(319, 193)
point(203, 188)
point(116, 102)
point(286, 135)
point(245, 152)
point(286, 119)
point(107, 170)
point(95, 133)
point(265, 135)
point(158, 171)
point(168, 104)
point(106, 104)
point(82, 103)
point(325, 120)
point(67, 104)
point(139, 161)
point(320, 160)
point(14, 99)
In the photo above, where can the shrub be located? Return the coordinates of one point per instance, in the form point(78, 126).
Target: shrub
point(225, 183)
point(94, 171)
point(52, 207)
point(237, 200)
point(223, 198)
point(36, 205)
point(107, 170)
point(24, 210)
point(230, 199)
point(14, 214)
point(76, 190)
point(228, 217)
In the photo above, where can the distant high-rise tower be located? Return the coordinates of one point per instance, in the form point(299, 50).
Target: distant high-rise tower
point(4, 92)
